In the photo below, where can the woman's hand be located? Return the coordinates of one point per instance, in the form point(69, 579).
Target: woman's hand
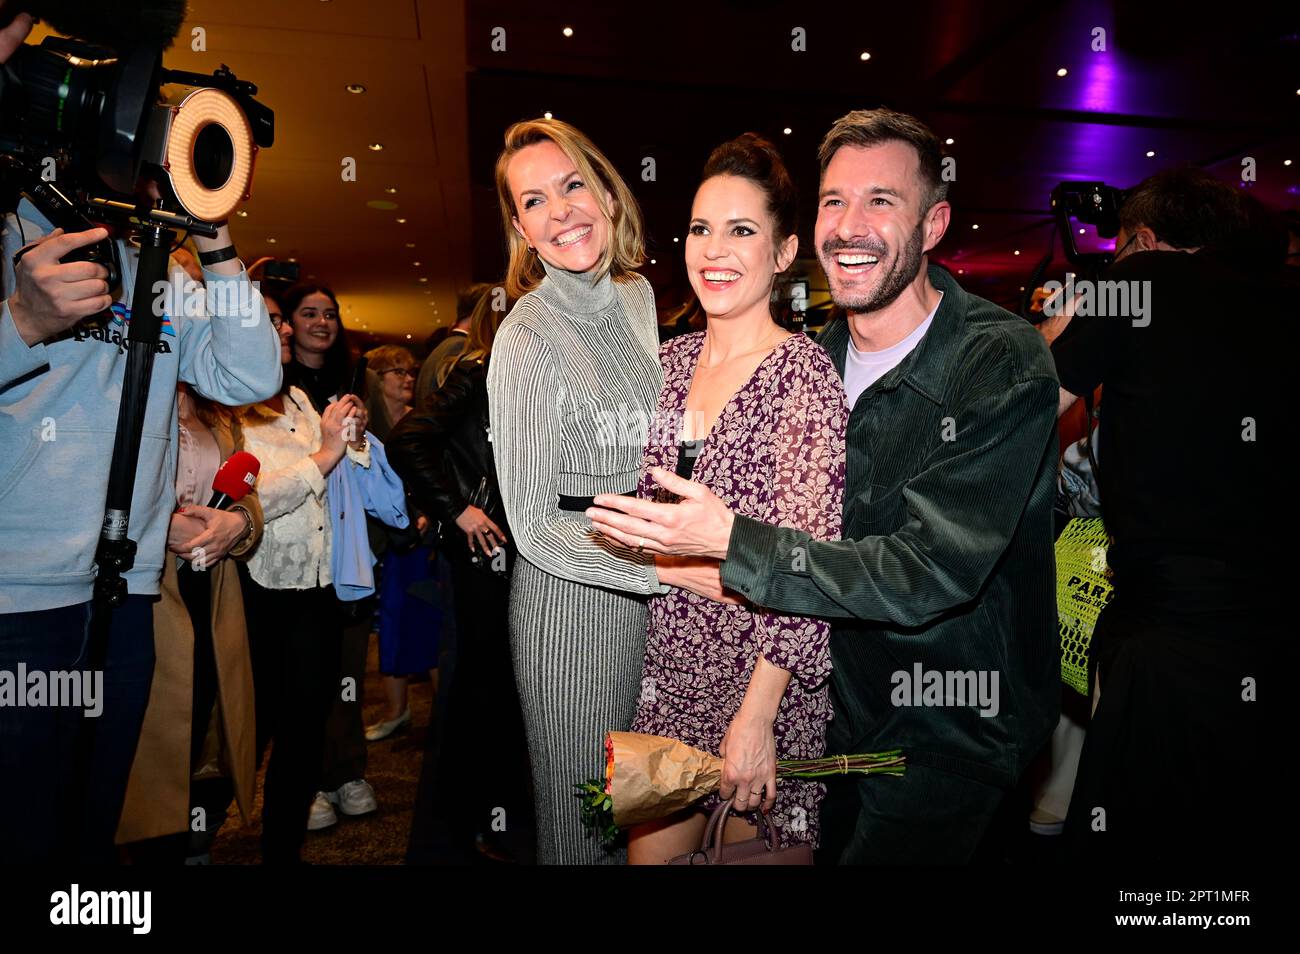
point(697, 574)
point(342, 423)
point(183, 527)
point(748, 753)
point(219, 531)
point(478, 526)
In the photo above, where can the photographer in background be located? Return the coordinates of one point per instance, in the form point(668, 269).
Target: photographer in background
point(61, 383)
point(1174, 756)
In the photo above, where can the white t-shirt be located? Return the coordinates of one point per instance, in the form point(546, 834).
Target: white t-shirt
point(864, 368)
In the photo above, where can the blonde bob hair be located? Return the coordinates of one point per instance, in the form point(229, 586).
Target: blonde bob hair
point(625, 249)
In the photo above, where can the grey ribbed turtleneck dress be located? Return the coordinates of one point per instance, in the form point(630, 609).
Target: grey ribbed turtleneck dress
point(573, 383)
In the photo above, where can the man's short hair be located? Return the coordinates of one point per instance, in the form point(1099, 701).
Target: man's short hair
point(1185, 207)
point(872, 127)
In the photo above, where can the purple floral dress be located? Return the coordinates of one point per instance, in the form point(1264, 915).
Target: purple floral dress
point(775, 454)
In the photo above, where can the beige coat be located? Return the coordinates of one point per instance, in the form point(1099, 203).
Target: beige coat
point(157, 795)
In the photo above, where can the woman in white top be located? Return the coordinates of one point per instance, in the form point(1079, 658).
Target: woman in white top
point(294, 618)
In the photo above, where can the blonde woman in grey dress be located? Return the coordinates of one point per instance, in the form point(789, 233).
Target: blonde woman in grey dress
point(573, 383)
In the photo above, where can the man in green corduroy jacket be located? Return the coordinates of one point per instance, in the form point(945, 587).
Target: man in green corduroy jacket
point(942, 591)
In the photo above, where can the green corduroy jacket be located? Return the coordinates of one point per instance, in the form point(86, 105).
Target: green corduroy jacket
point(947, 560)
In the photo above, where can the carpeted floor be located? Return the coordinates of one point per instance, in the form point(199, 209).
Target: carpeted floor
point(393, 770)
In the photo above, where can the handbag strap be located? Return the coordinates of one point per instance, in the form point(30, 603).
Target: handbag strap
point(711, 847)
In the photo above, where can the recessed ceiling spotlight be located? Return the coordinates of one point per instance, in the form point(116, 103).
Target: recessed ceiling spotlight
point(376, 147)
point(675, 238)
point(975, 225)
point(408, 337)
point(241, 213)
point(410, 245)
point(423, 279)
point(416, 264)
point(1150, 153)
point(1062, 71)
point(864, 56)
point(1082, 231)
point(391, 190)
point(567, 31)
point(356, 88)
point(270, 241)
point(548, 115)
point(1286, 162)
point(948, 141)
point(1016, 252)
point(654, 261)
point(401, 221)
point(787, 130)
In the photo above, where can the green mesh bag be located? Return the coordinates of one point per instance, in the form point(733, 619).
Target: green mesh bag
point(1082, 588)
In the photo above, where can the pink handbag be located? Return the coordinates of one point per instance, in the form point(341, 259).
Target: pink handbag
point(763, 849)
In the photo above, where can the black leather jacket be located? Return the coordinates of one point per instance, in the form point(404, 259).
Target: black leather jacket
point(441, 450)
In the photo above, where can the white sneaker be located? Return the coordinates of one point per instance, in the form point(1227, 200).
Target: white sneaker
point(356, 798)
point(322, 813)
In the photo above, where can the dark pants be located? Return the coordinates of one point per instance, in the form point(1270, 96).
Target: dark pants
point(64, 775)
point(294, 638)
point(475, 778)
point(924, 817)
point(1182, 759)
point(345, 729)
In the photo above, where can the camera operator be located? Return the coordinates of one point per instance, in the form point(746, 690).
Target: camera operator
point(61, 382)
point(1174, 753)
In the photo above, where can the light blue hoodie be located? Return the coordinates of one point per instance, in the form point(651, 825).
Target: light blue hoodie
point(58, 416)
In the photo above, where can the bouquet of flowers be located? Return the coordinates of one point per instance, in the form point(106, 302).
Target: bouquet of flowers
point(649, 777)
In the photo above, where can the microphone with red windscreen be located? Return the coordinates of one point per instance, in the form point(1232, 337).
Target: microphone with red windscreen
point(234, 479)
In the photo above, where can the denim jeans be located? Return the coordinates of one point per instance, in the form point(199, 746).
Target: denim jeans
point(65, 772)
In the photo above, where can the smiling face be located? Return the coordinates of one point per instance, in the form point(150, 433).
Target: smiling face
point(731, 246)
point(397, 384)
point(556, 209)
point(315, 324)
point(872, 232)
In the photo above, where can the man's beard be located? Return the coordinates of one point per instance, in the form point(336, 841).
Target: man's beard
point(891, 285)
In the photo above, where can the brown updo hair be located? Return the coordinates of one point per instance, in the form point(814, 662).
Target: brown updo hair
point(750, 156)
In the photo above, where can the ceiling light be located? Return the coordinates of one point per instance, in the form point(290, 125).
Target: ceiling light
point(1062, 71)
point(416, 264)
point(1016, 252)
point(948, 141)
point(567, 31)
point(1081, 231)
point(408, 337)
point(376, 147)
point(391, 190)
point(356, 88)
point(975, 225)
point(1286, 162)
point(787, 130)
point(423, 279)
point(547, 114)
point(241, 213)
point(654, 261)
point(270, 241)
point(401, 221)
point(1150, 153)
point(410, 245)
point(674, 238)
point(961, 271)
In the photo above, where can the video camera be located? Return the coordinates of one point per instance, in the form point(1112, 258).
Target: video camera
point(85, 121)
point(1090, 203)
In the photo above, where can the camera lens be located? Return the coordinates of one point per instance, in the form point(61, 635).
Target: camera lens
point(214, 156)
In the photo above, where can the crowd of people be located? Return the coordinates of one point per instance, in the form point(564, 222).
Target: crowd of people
point(752, 541)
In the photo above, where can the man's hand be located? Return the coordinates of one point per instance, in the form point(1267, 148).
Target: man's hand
point(182, 528)
point(49, 296)
point(222, 529)
point(698, 575)
point(12, 36)
point(699, 525)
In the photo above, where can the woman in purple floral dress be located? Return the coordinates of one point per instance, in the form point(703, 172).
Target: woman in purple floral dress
point(758, 415)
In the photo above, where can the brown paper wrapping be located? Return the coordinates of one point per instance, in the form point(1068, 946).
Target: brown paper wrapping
point(655, 776)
